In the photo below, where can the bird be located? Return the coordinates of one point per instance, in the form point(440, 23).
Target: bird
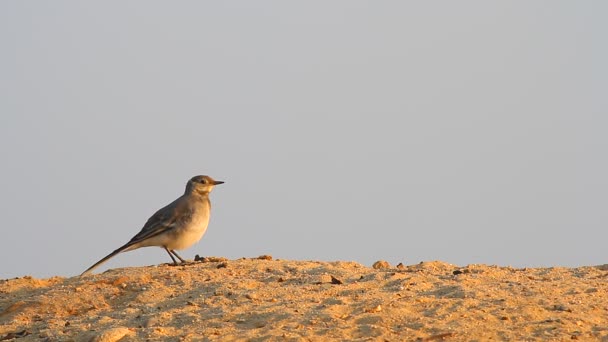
point(178, 225)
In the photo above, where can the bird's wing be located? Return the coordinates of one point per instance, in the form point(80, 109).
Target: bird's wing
point(163, 220)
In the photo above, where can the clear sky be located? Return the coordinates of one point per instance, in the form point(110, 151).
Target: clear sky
point(467, 132)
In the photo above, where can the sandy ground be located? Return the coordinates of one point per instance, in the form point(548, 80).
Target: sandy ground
point(262, 299)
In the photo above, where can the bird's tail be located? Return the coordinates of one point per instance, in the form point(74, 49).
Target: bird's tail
point(124, 248)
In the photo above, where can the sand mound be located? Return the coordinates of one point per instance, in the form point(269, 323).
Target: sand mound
point(265, 299)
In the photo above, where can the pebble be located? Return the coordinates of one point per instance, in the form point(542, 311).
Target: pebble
point(561, 307)
point(150, 322)
point(111, 335)
point(209, 259)
point(374, 309)
point(336, 281)
point(14, 335)
point(381, 264)
point(120, 280)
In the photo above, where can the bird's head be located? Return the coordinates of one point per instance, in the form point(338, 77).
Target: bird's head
point(201, 184)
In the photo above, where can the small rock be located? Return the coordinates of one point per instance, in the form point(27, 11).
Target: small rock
point(209, 259)
point(439, 337)
point(265, 257)
point(381, 264)
point(111, 335)
point(401, 266)
point(150, 322)
point(461, 271)
point(13, 335)
point(251, 296)
point(322, 279)
point(120, 280)
point(222, 265)
point(336, 281)
point(45, 334)
point(561, 307)
point(374, 309)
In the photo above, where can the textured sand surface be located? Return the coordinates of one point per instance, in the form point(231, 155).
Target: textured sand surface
point(280, 300)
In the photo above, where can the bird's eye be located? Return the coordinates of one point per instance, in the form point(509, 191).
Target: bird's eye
point(203, 181)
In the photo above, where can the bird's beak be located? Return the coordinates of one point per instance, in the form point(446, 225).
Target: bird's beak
point(217, 182)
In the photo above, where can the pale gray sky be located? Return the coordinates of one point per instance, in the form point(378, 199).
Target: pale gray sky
point(467, 132)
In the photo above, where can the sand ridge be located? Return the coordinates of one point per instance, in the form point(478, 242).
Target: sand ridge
point(261, 299)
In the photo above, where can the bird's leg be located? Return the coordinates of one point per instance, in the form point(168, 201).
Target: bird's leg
point(180, 258)
point(171, 255)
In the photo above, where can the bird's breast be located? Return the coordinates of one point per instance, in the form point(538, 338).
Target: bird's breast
point(191, 231)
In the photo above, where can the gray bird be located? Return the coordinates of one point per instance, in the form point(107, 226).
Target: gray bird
point(179, 225)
